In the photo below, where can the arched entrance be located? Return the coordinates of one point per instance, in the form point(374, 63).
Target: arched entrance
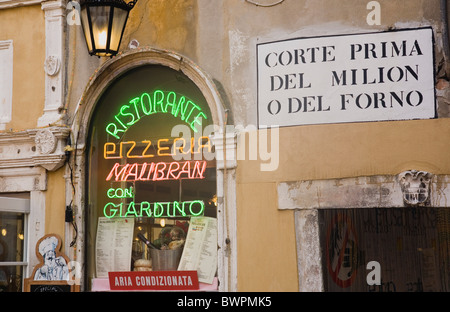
point(177, 93)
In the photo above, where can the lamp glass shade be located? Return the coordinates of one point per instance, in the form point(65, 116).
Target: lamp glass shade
point(86, 28)
point(120, 17)
point(100, 19)
point(103, 24)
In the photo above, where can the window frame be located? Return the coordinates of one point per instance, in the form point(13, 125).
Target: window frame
point(225, 143)
point(166, 133)
point(6, 82)
point(22, 206)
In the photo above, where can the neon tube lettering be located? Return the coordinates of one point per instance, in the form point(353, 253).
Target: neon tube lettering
point(111, 128)
point(190, 112)
point(131, 116)
point(176, 148)
point(144, 153)
point(171, 98)
point(132, 210)
point(158, 102)
point(112, 211)
point(163, 147)
point(135, 101)
point(158, 97)
point(146, 111)
point(157, 209)
point(200, 210)
point(176, 207)
point(199, 169)
point(116, 173)
point(186, 169)
point(197, 120)
point(171, 169)
point(160, 171)
point(120, 193)
point(133, 145)
point(132, 172)
point(145, 206)
point(176, 109)
point(107, 152)
point(150, 171)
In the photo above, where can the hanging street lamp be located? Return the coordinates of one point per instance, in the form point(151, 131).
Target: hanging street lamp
point(103, 24)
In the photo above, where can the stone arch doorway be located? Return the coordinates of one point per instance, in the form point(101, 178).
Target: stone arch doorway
point(100, 81)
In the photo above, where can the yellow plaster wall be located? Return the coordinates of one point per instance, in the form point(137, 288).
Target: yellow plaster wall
point(163, 24)
point(267, 259)
point(26, 27)
point(356, 149)
point(55, 203)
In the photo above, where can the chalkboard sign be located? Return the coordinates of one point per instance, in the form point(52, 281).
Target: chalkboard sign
point(50, 286)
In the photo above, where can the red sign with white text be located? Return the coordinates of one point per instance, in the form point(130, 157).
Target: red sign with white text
point(154, 280)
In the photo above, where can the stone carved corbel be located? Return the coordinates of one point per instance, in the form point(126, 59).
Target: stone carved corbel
point(415, 186)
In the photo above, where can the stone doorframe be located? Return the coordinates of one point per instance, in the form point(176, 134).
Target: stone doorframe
point(225, 152)
point(409, 188)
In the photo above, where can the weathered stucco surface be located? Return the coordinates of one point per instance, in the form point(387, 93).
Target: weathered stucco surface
point(25, 27)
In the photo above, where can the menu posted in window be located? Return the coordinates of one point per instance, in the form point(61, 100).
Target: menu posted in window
point(113, 247)
point(200, 249)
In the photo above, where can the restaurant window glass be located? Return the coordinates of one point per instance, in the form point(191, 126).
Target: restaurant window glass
point(408, 248)
point(13, 225)
point(149, 163)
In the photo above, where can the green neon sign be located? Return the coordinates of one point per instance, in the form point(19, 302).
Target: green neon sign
point(157, 210)
point(120, 192)
point(166, 102)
